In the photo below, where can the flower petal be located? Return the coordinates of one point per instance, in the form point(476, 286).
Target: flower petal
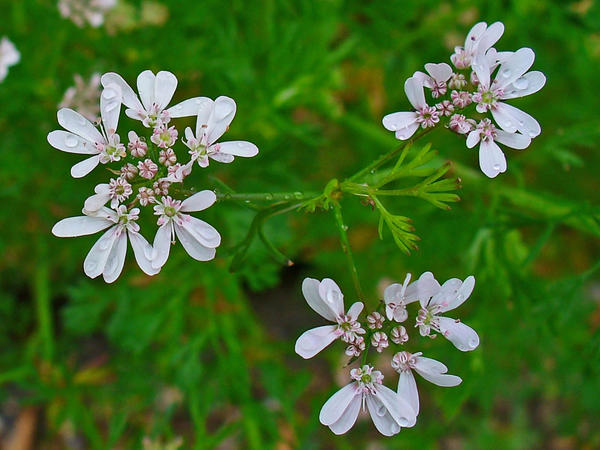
point(310, 290)
point(145, 85)
point(515, 66)
point(238, 148)
point(460, 295)
point(446, 293)
point(513, 140)
point(314, 340)
point(491, 159)
point(165, 84)
point(129, 97)
point(490, 36)
point(80, 226)
point(398, 408)
point(407, 389)
point(200, 231)
point(414, 92)
point(355, 310)
point(96, 201)
point(462, 336)
point(95, 261)
point(71, 143)
point(222, 114)
point(332, 296)
point(405, 133)
point(110, 107)
point(399, 120)
point(512, 119)
point(528, 84)
point(473, 138)
point(474, 35)
point(75, 123)
point(383, 420)
point(142, 251)
point(338, 403)
point(199, 201)
point(439, 72)
point(430, 370)
point(81, 169)
point(193, 246)
point(427, 287)
point(189, 107)
point(348, 418)
point(162, 246)
point(116, 259)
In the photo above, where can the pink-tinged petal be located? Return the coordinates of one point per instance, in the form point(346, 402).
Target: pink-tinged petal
point(528, 84)
point(446, 293)
point(222, 157)
point(355, 310)
point(429, 365)
point(313, 341)
point(332, 296)
point(439, 72)
point(424, 79)
point(427, 287)
point(145, 85)
point(430, 370)
point(201, 232)
point(165, 84)
point(80, 226)
point(135, 114)
point(162, 246)
point(84, 167)
point(513, 140)
point(192, 246)
point(95, 261)
point(116, 259)
point(491, 159)
point(238, 148)
point(474, 35)
point(481, 66)
point(75, 123)
point(512, 119)
point(398, 408)
point(189, 134)
point(110, 107)
point(129, 97)
point(223, 113)
point(407, 389)
point(142, 251)
point(338, 403)
point(462, 336)
point(104, 213)
point(204, 113)
point(515, 66)
point(393, 293)
point(490, 36)
point(199, 201)
point(406, 133)
point(459, 295)
point(189, 107)
point(310, 290)
point(383, 420)
point(414, 92)
point(399, 120)
point(348, 418)
point(473, 138)
point(96, 201)
point(71, 143)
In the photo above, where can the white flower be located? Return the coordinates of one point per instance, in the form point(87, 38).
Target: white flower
point(213, 120)
point(81, 11)
point(450, 295)
point(430, 369)
point(491, 158)
point(155, 93)
point(107, 256)
point(84, 138)
point(511, 81)
point(480, 38)
point(389, 411)
point(327, 300)
point(9, 56)
point(83, 97)
point(116, 191)
point(406, 123)
point(397, 296)
point(439, 74)
point(198, 238)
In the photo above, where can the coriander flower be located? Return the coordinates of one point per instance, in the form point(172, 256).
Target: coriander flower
point(397, 296)
point(430, 369)
point(117, 191)
point(436, 78)
point(388, 410)
point(480, 39)
point(327, 300)
point(9, 56)
point(107, 256)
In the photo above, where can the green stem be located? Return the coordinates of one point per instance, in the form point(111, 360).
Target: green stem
point(266, 196)
point(337, 209)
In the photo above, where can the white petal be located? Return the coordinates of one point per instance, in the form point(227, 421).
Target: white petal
point(512, 119)
point(75, 123)
point(348, 418)
point(513, 140)
point(461, 294)
point(462, 336)
point(71, 143)
point(407, 389)
point(189, 107)
point(191, 245)
point(129, 98)
point(414, 92)
point(314, 340)
point(222, 114)
point(204, 111)
point(515, 66)
point(84, 167)
point(490, 36)
point(333, 408)
point(383, 420)
point(116, 259)
point(399, 408)
point(474, 35)
point(424, 79)
point(95, 261)
point(332, 296)
point(222, 157)
point(110, 107)
point(528, 84)
point(310, 290)
point(162, 246)
point(427, 287)
point(201, 232)
point(428, 365)
point(96, 201)
point(482, 68)
point(473, 138)
point(446, 293)
point(142, 251)
point(238, 148)
point(199, 201)
point(145, 85)
point(405, 133)
point(399, 120)
point(80, 226)
point(491, 159)
point(440, 72)
point(429, 370)
point(164, 88)
point(355, 310)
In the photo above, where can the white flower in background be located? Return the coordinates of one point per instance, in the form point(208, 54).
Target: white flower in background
point(491, 158)
point(430, 369)
point(117, 191)
point(107, 256)
point(388, 410)
point(213, 120)
point(198, 238)
point(511, 81)
point(406, 123)
point(9, 56)
point(82, 11)
point(397, 296)
point(450, 295)
point(436, 78)
point(155, 93)
point(327, 300)
point(480, 39)
point(84, 138)
point(84, 97)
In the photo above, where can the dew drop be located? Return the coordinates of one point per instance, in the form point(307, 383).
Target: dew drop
point(71, 141)
point(506, 73)
point(496, 166)
point(345, 227)
point(381, 410)
point(521, 123)
point(287, 197)
point(395, 428)
point(149, 252)
point(460, 298)
point(532, 133)
point(109, 93)
point(298, 195)
point(269, 197)
point(472, 343)
point(521, 83)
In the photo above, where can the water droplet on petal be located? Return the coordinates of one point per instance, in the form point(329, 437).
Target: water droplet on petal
point(381, 410)
point(521, 83)
point(532, 133)
point(472, 343)
point(395, 428)
point(109, 93)
point(71, 141)
point(496, 166)
point(506, 73)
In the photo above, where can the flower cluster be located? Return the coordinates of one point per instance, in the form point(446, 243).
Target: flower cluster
point(81, 12)
point(466, 99)
point(9, 56)
point(390, 410)
point(83, 97)
point(146, 172)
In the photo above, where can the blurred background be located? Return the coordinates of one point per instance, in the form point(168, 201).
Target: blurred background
point(200, 357)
